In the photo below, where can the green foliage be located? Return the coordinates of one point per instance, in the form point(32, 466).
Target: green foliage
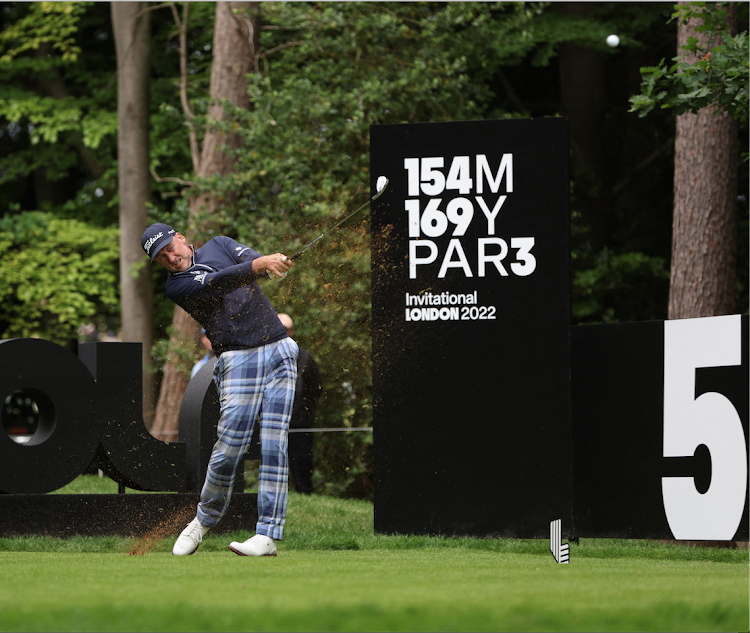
point(596, 289)
point(56, 274)
point(49, 118)
point(624, 205)
point(53, 23)
point(58, 104)
point(343, 463)
point(718, 77)
point(58, 112)
point(58, 109)
point(550, 29)
point(180, 350)
point(169, 150)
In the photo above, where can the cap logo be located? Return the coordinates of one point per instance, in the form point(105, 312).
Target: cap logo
point(147, 246)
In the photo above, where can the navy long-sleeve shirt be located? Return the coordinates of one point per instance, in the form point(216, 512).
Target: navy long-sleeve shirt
point(219, 291)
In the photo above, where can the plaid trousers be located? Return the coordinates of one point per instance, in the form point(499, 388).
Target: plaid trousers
point(253, 384)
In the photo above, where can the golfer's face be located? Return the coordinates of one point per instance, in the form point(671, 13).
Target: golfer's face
point(175, 256)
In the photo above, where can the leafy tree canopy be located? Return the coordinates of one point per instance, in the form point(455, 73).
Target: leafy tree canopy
point(718, 76)
point(56, 104)
point(57, 274)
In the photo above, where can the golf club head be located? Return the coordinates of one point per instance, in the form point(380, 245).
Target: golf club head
point(380, 186)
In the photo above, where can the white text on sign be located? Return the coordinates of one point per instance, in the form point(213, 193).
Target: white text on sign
point(434, 220)
point(446, 306)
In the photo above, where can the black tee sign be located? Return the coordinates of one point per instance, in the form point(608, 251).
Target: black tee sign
point(471, 358)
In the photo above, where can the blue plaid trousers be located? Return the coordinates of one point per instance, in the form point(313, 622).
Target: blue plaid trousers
point(253, 384)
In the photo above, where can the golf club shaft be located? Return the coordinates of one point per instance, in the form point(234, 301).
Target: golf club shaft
point(337, 225)
point(333, 228)
point(304, 248)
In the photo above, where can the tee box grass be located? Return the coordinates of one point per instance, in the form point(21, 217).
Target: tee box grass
point(334, 574)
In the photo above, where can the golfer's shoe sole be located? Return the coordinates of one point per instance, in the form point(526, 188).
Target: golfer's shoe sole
point(239, 553)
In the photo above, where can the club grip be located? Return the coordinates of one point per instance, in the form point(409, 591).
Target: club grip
point(271, 277)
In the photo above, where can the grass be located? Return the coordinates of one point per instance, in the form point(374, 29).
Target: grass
point(334, 574)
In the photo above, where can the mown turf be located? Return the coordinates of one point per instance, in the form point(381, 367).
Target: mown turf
point(334, 574)
point(433, 589)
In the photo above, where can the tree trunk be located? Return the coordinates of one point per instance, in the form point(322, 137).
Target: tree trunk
point(234, 48)
point(131, 23)
point(582, 75)
point(704, 224)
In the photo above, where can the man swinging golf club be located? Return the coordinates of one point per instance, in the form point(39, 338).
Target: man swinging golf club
point(255, 374)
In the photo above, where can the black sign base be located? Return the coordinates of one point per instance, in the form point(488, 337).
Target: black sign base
point(134, 515)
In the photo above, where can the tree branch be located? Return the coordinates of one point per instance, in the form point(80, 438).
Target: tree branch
point(280, 47)
point(189, 114)
point(187, 183)
point(152, 8)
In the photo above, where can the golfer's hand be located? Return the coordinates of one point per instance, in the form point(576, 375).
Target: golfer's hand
point(276, 265)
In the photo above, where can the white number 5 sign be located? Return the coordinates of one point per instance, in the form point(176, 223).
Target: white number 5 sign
point(710, 419)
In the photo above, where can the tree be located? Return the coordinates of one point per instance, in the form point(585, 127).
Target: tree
point(57, 110)
point(49, 297)
point(236, 31)
point(709, 86)
point(712, 67)
point(57, 126)
point(704, 239)
point(131, 23)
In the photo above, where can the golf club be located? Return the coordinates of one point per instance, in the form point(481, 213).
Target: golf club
point(382, 183)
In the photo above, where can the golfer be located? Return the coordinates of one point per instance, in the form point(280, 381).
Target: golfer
point(255, 374)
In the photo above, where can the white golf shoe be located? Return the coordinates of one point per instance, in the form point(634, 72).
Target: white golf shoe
point(190, 538)
point(258, 545)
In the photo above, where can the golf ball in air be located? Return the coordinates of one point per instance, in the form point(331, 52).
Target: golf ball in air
point(613, 40)
point(382, 181)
